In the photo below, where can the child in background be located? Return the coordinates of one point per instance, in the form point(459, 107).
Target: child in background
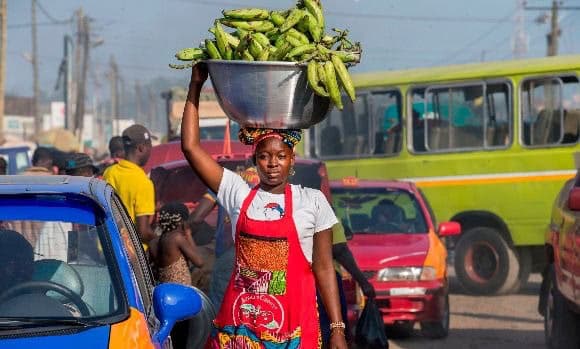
point(170, 253)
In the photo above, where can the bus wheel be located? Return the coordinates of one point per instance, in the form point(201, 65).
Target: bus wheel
point(524, 260)
point(484, 263)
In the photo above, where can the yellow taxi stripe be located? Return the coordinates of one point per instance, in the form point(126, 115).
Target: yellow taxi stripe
point(131, 333)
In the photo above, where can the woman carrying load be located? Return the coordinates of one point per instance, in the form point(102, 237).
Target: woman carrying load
point(283, 242)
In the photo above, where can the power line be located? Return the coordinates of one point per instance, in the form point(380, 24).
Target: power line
point(48, 15)
point(44, 24)
point(446, 19)
point(473, 42)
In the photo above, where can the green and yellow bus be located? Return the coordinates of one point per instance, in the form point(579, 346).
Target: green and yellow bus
point(489, 144)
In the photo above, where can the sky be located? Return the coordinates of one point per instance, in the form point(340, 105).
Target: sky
point(143, 35)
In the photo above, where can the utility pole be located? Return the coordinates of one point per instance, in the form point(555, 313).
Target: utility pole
point(114, 79)
point(152, 108)
point(67, 82)
point(36, 89)
point(520, 40)
point(138, 110)
point(555, 32)
point(3, 36)
point(84, 42)
point(168, 96)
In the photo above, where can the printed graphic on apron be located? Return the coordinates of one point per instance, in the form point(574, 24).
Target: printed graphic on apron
point(260, 282)
point(258, 312)
point(262, 265)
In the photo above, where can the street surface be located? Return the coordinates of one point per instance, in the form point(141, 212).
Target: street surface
point(498, 322)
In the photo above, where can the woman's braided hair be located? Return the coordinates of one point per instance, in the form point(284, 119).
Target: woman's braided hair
point(171, 215)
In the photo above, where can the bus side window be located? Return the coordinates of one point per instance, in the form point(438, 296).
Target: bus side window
point(331, 141)
point(450, 118)
point(498, 132)
point(418, 122)
point(387, 122)
point(550, 111)
point(571, 106)
point(418, 131)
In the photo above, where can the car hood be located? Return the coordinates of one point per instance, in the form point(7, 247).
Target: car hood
point(91, 338)
point(373, 252)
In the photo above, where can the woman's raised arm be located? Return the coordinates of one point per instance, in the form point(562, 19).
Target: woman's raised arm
point(206, 167)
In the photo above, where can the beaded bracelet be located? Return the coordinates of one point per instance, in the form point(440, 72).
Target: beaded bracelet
point(337, 325)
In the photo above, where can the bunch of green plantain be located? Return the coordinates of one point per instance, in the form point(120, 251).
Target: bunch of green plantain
point(295, 35)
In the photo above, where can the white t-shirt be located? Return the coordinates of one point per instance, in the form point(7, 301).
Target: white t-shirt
point(311, 211)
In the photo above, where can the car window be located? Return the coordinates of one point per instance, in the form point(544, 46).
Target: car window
point(378, 210)
point(22, 161)
point(59, 241)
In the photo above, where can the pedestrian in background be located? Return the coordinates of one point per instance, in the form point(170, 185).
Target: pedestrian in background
point(52, 242)
point(80, 164)
point(116, 153)
point(131, 182)
point(171, 252)
point(42, 163)
point(3, 166)
point(224, 241)
point(224, 247)
point(342, 258)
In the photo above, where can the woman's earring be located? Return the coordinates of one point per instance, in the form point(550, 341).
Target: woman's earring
point(292, 172)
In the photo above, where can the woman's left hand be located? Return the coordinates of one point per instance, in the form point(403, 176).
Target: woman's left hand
point(337, 340)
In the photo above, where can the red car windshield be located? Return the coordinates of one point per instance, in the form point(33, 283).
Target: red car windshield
point(378, 211)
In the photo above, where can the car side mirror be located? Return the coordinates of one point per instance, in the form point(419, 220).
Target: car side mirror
point(172, 303)
point(574, 199)
point(449, 229)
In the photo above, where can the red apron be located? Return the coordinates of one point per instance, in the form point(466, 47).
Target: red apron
point(270, 301)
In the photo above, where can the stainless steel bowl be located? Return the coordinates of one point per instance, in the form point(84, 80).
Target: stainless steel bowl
point(267, 94)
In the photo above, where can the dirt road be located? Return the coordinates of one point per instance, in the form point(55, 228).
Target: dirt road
point(498, 322)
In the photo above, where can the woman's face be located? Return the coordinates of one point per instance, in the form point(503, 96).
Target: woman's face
point(273, 160)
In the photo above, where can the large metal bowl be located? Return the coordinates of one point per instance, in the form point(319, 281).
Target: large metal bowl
point(267, 94)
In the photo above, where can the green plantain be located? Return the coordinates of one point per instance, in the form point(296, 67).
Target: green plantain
point(247, 14)
point(313, 80)
point(343, 76)
point(332, 85)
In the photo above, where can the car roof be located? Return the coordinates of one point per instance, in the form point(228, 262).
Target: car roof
point(95, 188)
point(367, 183)
point(5, 150)
point(171, 151)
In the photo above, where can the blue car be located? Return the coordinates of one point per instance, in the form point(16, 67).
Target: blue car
point(73, 273)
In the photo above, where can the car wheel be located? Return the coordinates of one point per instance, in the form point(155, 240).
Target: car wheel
point(484, 263)
point(437, 329)
point(560, 323)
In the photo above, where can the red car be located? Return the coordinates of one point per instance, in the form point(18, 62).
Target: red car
point(397, 244)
